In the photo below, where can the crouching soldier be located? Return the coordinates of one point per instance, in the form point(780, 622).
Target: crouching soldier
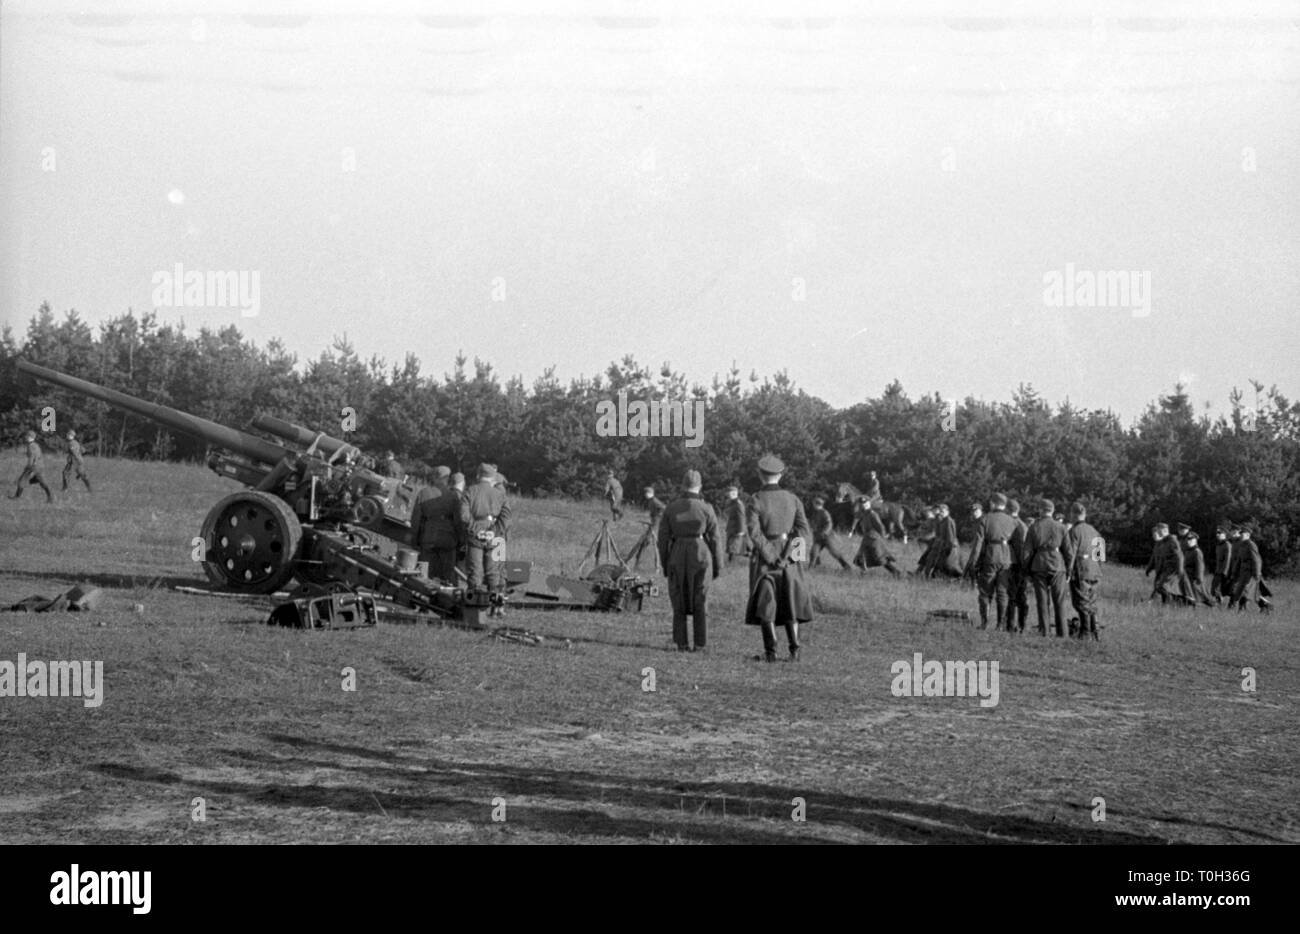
point(690, 551)
point(823, 533)
point(777, 594)
point(874, 551)
point(1086, 549)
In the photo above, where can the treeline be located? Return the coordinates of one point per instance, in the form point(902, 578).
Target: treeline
point(1171, 465)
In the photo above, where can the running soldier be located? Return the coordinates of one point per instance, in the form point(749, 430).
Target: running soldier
point(32, 472)
point(1220, 583)
point(1086, 549)
point(874, 551)
point(1044, 550)
point(823, 533)
point(690, 550)
point(990, 561)
point(75, 466)
point(1018, 579)
point(777, 595)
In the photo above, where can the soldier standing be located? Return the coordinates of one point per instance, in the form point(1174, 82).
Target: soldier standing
point(75, 466)
point(1194, 567)
point(440, 530)
point(32, 472)
point(1220, 583)
point(1085, 549)
point(777, 595)
point(874, 551)
point(648, 540)
point(733, 515)
point(614, 495)
point(441, 483)
point(485, 517)
point(990, 560)
point(1018, 579)
point(1044, 551)
point(690, 550)
point(823, 533)
point(1167, 562)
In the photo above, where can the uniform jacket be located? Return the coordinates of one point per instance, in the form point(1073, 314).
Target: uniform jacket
point(74, 452)
point(34, 459)
point(1166, 558)
point(821, 523)
point(613, 490)
point(774, 517)
point(1194, 562)
point(1246, 561)
point(1017, 545)
point(992, 548)
point(734, 515)
point(875, 544)
point(1222, 555)
point(1044, 547)
point(656, 508)
point(483, 507)
point(690, 546)
point(439, 523)
point(1081, 546)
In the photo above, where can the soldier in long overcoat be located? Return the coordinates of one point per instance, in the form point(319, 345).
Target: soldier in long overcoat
point(691, 553)
point(778, 532)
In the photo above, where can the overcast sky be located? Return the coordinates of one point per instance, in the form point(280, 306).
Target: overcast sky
point(852, 198)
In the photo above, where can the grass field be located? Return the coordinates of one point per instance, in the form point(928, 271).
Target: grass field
point(202, 699)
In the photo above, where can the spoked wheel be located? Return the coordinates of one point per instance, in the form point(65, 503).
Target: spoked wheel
point(252, 541)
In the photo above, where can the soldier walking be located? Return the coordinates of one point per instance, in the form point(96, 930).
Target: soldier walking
point(990, 560)
point(1220, 583)
point(690, 550)
point(947, 551)
point(485, 516)
point(649, 538)
point(777, 595)
point(1194, 568)
point(439, 529)
point(1018, 578)
point(1247, 573)
point(1086, 549)
point(823, 533)
point(1044, 550)
point(75, 466)
point(874, 551)
point(32, 472)
point(614, 495)
point(1167, 563)
point(733, 516)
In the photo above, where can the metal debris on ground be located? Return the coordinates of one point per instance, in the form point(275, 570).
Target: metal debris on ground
point(516, 634)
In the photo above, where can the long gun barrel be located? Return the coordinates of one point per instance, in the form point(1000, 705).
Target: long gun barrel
point(230, 439)
point(299, 435)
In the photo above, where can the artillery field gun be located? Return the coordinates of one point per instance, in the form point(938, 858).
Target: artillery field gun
point(313, 511)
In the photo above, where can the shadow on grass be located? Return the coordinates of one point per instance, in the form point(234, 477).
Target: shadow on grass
point(586, 804)
point(112, 581)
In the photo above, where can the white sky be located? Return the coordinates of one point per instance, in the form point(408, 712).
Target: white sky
point(652, 178)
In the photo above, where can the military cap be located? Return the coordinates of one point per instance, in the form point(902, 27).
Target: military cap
point(1221, 529)
point(457, 477)
point(733, 489)
point(1013, 505)
point(770, 463)
point(487, 471)
point(942, 507)
point(1183, 528)
point(1191, 538)
point(1247, 528)
point(691, 479)
point(1235, 531)
point(442, 473)
point(1048, 507)
point(1162, 526)
point(998, 499)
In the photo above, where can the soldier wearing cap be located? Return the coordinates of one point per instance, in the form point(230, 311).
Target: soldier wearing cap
point(1085, 551)
point(1220, 585)
point(823, 534)
point(438, 521)
point(947, 551)
point(990, 560)
point(1044, 551)
point(1018, 578)
point(32, 472)
point(649, 538)
point(1248, 573)
point(874, 551)
point(1182, 530)
point(614, 495)
point(690, 550)
point(485, 516)
point(733, 516)
point(777, 594)
point(75, 466)
point(1194, 569)
point(1167, 563)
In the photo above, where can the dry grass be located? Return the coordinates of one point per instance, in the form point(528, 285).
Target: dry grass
point(202, 699)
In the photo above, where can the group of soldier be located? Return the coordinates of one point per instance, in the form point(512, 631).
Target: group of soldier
point(33, 473)
point(1179, 567)
point(457, 528)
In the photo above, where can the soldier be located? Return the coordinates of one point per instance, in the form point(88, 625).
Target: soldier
point(1182, 530)
point(391, 467)
point(648, 540)
point(990, 560)
point(1194, 569)
point(925, 535)
point(614, 495)
point(733, 515)
point(1018, 579)
point(1044, 553)
point(1247, 573)
point(690, 550)
point(75, 466)
point(1167, 562)
point(1085, 550)
point(485, 516)
point(440, 530)
point(874, 551)
point(32, 472)
point(947, 552)
point(441, 483)
point(777, 595)
point(873, 489)
point(823, 533)
point(1220, 583)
